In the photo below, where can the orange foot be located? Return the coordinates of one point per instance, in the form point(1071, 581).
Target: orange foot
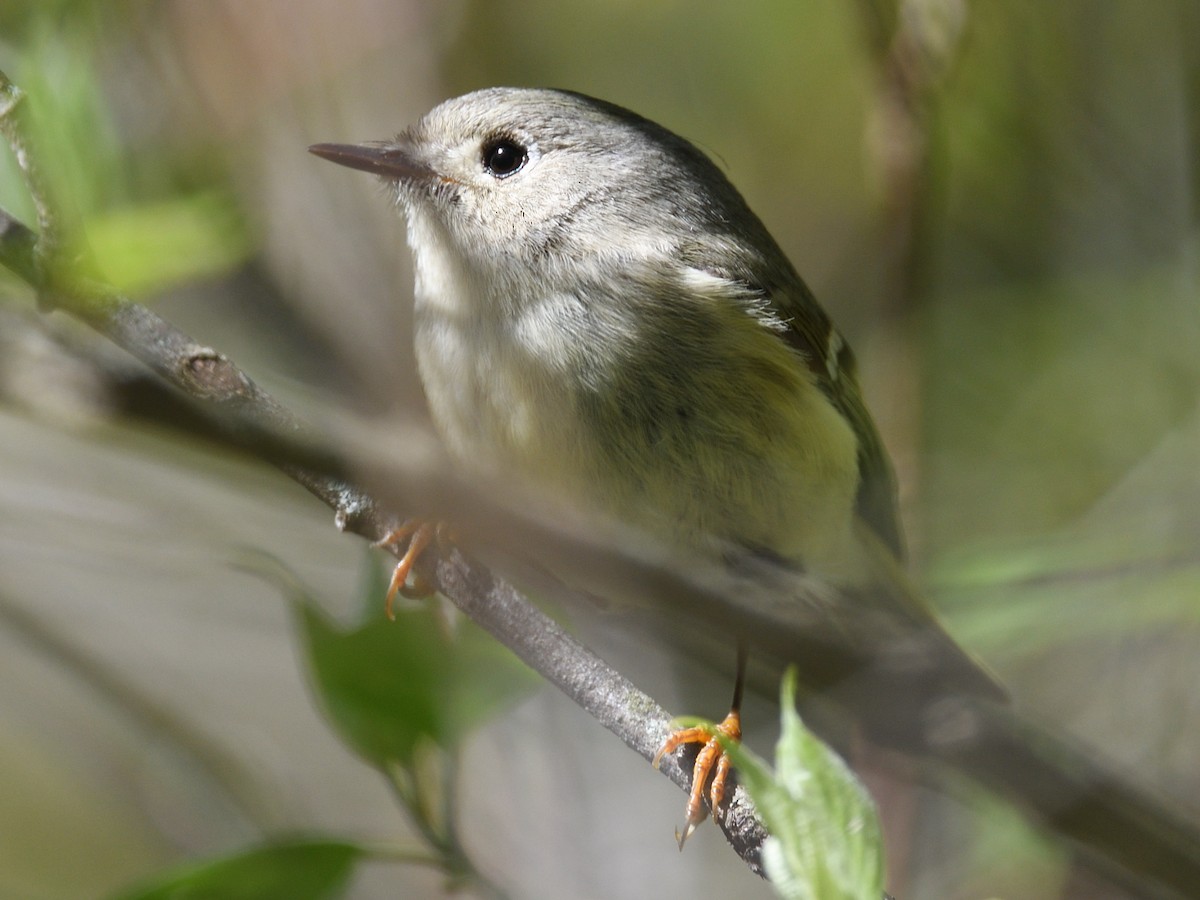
point(712, 762)
point(419, 534)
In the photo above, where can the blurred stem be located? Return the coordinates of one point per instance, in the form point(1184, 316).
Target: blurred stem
point(429, 793)
point(12, 101)
point(913, 45)
point(910, 62)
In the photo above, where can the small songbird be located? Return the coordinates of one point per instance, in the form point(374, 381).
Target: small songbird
point(599, 313)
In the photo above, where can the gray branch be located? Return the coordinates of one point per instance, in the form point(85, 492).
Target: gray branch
point(246, 415)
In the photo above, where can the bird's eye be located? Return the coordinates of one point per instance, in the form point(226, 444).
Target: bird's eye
point(503, 157)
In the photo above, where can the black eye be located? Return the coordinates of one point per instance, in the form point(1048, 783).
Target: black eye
point(503, 157)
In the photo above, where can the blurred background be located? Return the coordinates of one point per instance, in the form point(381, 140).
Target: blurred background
point(996, 202)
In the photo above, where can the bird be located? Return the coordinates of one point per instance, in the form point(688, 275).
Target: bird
point(598, 312)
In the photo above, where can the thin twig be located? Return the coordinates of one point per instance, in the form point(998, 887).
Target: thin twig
point(12, 103)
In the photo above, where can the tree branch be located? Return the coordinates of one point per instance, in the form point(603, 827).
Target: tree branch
point(249, 417)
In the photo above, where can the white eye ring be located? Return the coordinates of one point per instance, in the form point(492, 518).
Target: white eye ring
point(503, 157)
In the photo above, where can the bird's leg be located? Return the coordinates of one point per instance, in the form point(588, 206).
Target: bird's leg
point(419, 534)
point(711, 762)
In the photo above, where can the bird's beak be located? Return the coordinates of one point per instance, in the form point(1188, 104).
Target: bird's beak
point(380, 158)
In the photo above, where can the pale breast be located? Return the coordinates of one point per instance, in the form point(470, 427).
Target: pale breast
point(699, 442)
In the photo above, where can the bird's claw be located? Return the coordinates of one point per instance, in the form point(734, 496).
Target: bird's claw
point(711, 763)
point(419, 534)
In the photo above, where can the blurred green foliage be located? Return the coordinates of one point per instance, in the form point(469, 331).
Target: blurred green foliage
point(295, 870)
point(390, 687)
point(152, 221)
point(1060, 327)
point(403, 694)
point(1075, 381)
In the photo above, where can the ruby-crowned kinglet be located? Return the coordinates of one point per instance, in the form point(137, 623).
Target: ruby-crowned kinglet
point(599, 312)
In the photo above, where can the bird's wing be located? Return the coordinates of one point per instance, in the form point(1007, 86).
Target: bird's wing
point(794, 313)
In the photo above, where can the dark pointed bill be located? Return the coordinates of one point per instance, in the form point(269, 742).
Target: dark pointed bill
point(388, 160)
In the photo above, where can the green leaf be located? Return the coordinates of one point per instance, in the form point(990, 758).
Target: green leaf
point(295, 870)
point(152, 246)
point(390, 687)
point(825, 839)
point(96, 181)
point(69, 124)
